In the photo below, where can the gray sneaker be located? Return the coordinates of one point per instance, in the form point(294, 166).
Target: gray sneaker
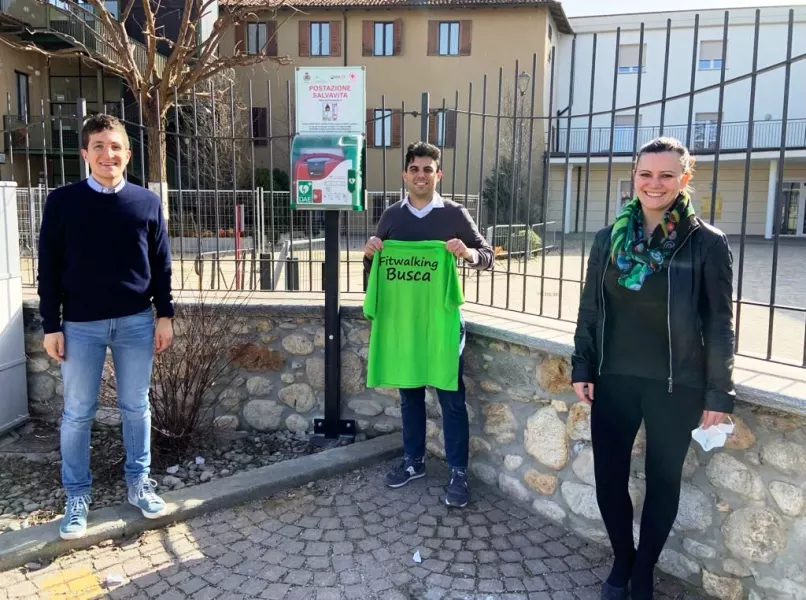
point(407, 470)
point(458, 492)
point(74, 522)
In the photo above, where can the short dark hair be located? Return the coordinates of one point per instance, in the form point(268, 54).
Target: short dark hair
point(99, 123)
point(417, 149)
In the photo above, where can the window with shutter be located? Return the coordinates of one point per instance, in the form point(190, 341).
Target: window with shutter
point(445, 131)
point(433, 38)
point(626, 120)
point(439, 138)
point(320, 39)
point(465, 37)
point(370, 127)
point(383, 42)
point(397, 31)
point(367, 38)
point(382, 127)
point(256, 37)
point(271, 35)
point(705, 129)
point(335, 38)
point(710, 55)
point(450, 129)
point(448, 38)
point(260, 125)
point(624, 188)
point(397, 129)
point(628, 56)
point(240, 38)
point(304, 38)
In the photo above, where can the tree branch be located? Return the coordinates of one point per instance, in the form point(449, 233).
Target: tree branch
point(231, 62)
point(66, 52)
point(127, 9)
point(150, 32)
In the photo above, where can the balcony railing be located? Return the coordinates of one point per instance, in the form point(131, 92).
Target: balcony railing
point(72, 23)
point(53, 134)
point(58, 135)
point(766, 136)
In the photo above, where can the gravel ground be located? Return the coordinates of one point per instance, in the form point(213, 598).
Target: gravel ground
point(30, 482)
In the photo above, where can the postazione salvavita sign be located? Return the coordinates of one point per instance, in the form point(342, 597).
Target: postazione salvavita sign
point(330, 100)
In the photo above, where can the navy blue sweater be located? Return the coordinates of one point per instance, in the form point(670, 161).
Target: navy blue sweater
point(102, 256)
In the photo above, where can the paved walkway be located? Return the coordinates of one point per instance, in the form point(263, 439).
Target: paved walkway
point(343, 538)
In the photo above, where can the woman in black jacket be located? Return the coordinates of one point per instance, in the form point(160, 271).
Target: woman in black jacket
point(654, 339)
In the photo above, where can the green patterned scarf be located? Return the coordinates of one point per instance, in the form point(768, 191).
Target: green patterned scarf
point(630, 247)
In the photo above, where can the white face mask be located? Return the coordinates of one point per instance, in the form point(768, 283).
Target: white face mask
point(713, 437)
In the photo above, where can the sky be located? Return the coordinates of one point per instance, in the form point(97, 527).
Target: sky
point(578, 8)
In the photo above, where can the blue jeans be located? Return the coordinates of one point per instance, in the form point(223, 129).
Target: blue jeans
point(132, 342)
point(454, 422)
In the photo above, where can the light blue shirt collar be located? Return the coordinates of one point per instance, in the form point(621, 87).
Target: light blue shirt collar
point(93, 183)
point(436, 202)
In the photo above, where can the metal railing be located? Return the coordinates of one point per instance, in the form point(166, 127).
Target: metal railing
point(76, 25)
point(505, 159)
point(766, 135)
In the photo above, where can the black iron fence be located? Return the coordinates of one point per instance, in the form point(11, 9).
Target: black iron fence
point(537, 185)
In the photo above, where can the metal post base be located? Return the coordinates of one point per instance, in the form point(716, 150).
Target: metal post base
point(322, 438)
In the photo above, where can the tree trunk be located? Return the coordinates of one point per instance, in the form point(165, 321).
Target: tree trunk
point(154, 122)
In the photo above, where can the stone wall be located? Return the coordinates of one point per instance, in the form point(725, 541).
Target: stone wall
point(277, 381)
point(741, 527)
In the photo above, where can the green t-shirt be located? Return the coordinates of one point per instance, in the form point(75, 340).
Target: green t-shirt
point(413, 298)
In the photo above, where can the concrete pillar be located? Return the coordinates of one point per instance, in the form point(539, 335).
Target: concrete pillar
point(13, 377)
point(771, 189)
point(99, 82)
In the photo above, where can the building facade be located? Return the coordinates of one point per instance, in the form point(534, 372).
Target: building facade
point(578, 187)
point(463, 53)
point(39, 93)
point(436, 47)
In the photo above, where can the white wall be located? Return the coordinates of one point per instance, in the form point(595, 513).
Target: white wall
point(769, 88)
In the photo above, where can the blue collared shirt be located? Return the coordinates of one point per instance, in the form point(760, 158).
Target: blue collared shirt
point(93, 183)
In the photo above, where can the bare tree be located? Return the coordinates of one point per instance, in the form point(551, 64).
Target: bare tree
point(218, 149)
point(158, 82)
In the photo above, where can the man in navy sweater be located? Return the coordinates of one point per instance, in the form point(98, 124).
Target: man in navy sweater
point(424, 215)
point(104, 259)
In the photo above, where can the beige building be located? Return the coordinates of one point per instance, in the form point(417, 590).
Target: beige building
point(44, 91)
point(436, 47)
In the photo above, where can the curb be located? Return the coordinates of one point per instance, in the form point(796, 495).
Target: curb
point(43, 542)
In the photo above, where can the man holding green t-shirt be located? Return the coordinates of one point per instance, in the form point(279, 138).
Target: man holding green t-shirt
point(423, 215)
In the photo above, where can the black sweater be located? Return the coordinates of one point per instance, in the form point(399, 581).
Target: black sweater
point(442, 224)
point(102, 256)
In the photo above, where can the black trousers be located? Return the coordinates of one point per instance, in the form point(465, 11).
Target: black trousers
point(620, 404)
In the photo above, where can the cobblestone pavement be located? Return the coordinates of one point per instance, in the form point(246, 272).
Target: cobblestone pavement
point(347, 537)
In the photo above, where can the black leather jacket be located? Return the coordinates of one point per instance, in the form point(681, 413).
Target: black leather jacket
point(699, 315)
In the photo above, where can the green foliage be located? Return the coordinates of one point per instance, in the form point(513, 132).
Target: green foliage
point(497, 195)
point(282, 182)
point(517, 243)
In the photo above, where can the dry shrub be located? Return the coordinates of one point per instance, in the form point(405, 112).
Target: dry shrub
point(187, 378)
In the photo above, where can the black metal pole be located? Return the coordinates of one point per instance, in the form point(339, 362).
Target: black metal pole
point(328, 431)
point(332, 325)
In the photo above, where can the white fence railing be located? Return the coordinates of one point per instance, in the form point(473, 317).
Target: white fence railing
point(203, 221)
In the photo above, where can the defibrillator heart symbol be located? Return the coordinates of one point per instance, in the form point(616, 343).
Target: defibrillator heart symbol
point(303, 189)
point(351, 180)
